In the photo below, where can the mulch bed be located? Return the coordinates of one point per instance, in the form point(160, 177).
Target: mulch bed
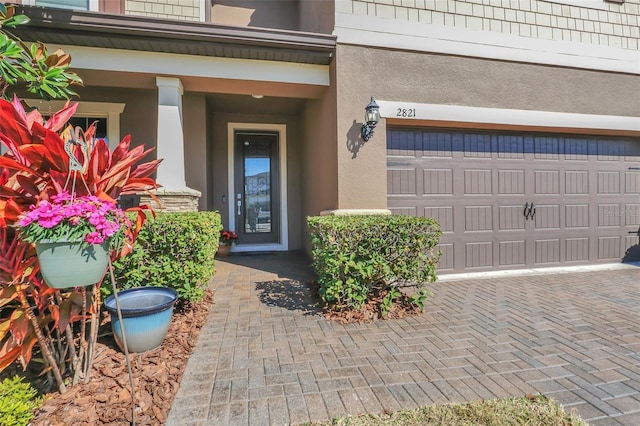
point(106, 399)
point(370, 311)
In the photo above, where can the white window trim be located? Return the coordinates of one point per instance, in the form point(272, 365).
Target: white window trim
point(515, 117)
point(203, 13)
point(282, 149)
point(110, 110)
point(94, 5)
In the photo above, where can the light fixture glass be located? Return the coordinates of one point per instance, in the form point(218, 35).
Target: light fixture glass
point(371, 118)
point(257, 96)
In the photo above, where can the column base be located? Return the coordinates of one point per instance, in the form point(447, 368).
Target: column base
point(173, 200)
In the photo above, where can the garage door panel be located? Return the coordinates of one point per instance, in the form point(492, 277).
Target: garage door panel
point(401, 181)
point(609, 248)
point(437, 181)
point(405, 211)
point(610, 150)
point(631, 214)
point(577, 216)
point(477, 182)
point(437, 145)
point(478, 218)
point(632, 152)
point(547, 251)
point(547, 216)
point(446, 262)
point(546, 148)
point(477, 146)
point(577, 249)
point(444, 216)
point(632, 182)
point(479, 255)
point(511, 182)
point(576, 149)
point(511, 147)
point(512, 253)
point(547, 182)
point(510, 218)
point(609, 215)
point(405, 143)
point(608, 182)
point(576, 182)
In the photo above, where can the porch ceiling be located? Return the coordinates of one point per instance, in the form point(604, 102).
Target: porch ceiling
point(80, 28)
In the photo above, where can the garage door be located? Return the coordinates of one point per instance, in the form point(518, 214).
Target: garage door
point(508, 201)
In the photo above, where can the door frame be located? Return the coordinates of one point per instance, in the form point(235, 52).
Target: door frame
point(281, 130)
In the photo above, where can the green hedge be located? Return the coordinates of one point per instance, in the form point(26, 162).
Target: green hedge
point(359, 257)
point(18, 402)
point(173, 250)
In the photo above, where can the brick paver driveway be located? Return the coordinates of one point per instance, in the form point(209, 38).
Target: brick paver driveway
point(266, 357)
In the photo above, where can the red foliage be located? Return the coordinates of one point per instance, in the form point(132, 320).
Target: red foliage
point(36, 166)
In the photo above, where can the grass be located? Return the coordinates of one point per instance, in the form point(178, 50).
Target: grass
point(534, 410)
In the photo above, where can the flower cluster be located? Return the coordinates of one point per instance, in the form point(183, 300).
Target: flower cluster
point(228, 237)
point(87, 218)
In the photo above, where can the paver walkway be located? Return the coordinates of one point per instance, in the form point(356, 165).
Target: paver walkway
point(266, 357)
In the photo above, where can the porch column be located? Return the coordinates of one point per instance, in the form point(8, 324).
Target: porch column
point(174, 194)
point(170, 135)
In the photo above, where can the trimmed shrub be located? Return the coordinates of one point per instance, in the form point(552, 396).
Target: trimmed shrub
point(18, 402)
point(358, 258)
point(173, 250)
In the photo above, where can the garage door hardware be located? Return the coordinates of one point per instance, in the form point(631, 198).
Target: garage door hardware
point(529, 211)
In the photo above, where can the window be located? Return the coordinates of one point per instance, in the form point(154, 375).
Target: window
point(107, 114)
point(66, 4)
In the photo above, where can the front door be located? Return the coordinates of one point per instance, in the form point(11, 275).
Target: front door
point(257, 188)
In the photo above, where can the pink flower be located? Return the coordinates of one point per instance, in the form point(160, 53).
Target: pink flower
point(94, 238)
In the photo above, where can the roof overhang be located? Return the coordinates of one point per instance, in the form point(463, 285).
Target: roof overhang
point(93, 29)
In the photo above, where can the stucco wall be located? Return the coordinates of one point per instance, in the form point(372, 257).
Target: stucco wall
point(317, 16)
point(282, 14)
point(194, 115)
point(185, 10)
point(319, 171)
point(618, 25)
point(439, 79)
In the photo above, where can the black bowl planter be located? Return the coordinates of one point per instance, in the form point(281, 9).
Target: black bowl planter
point(146, 314)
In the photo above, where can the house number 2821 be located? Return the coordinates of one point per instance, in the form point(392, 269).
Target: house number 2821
point(406, 112)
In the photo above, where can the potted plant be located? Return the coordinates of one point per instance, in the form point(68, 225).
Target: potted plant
point(227, 238)
point(73, 237)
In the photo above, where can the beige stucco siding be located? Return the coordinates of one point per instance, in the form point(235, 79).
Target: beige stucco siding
point(611, 24)
point(450, 80)
point(194, 115)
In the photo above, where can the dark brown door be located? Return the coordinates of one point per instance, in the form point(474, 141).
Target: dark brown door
point(257, 183)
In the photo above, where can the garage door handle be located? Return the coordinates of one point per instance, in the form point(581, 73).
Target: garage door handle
point(527, 211)
point(533, 211)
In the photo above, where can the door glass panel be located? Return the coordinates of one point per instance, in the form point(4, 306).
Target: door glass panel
point(257, 186)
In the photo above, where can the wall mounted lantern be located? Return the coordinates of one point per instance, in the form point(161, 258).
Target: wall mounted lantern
point(371, 118)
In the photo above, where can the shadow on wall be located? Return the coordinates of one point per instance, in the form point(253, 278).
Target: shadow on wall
point(354, 141)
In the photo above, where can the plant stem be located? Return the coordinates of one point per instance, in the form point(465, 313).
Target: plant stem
point(93, 332)
point(42, 341)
